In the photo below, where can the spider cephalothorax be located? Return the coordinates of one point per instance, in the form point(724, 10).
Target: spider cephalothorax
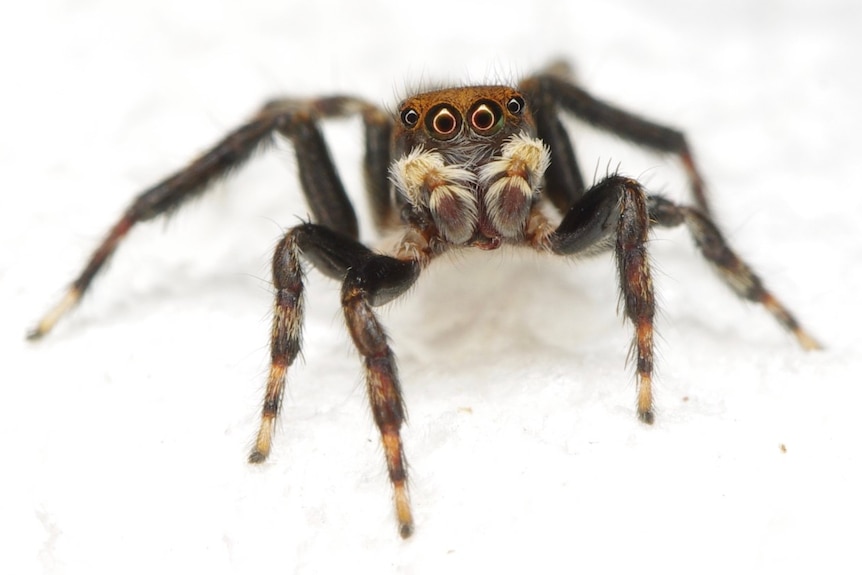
point(453, 169)
point(469, 159)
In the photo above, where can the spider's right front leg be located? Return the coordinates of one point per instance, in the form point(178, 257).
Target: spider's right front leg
point(369, 279)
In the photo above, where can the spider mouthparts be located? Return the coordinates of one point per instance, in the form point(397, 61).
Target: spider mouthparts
point(488, 243)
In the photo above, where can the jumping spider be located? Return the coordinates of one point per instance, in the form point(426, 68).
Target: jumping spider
point(468, 167)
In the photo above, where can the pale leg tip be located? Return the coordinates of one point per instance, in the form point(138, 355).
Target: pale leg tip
point(645, 402)
point(47, 323)
point(263, 441)
point(402, 511)
point(807, 342)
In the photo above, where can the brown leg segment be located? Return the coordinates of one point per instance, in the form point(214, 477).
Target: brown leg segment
point(79, 286)
point(285, 338)
point(637, 288)
point(164, 197)
point(735, 272)
point(297, 119)
point(613, 214)
point(383, 392)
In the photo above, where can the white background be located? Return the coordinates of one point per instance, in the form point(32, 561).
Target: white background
point(124, 433)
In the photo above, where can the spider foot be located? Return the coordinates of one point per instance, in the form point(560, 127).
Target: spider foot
point(785, 318)
point(257, 457)
point(402, 511)
point(807, 342)
point(645, 403)
point(49, 320)
point(263, 443)
point(647, 417)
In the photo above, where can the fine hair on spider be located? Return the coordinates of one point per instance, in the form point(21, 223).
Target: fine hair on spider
point(449, 169)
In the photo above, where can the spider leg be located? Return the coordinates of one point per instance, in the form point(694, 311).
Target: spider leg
point(613, 214)
point(369, 279)
point(555, 87)
point(295, 119)
point(564, 183)
point(732, 270)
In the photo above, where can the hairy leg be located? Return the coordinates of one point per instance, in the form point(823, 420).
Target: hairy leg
point(369, 279)
point(613, 215)
point(731, 269)
point(295, 119)
point(559, 88)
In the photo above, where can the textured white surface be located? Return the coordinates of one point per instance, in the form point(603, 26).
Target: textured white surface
point(124, 433)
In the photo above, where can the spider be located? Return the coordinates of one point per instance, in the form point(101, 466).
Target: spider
point(457, 168)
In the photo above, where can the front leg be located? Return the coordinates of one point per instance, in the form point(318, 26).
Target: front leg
point(370, 279)
point(614, 214)
point(384, 393)
point(374, 281)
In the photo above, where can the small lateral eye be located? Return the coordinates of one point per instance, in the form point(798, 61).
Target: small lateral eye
point(515, 105)
point(409, 117)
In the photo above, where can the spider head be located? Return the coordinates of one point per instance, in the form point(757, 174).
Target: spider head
point(466, 124)
point(468, 159)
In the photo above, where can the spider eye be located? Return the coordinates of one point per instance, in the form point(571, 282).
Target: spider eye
point(515, 105)
point(444, 122)
point(409, 117)
point(486, 117)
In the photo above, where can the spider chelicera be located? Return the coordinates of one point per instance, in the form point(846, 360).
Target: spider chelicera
point(467, 167)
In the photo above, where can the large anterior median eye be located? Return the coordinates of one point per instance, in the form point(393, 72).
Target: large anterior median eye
point(443, 121)
point(486, 117)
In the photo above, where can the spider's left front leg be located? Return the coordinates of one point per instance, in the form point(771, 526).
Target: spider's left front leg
point(369, 279)
point(613, 213)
